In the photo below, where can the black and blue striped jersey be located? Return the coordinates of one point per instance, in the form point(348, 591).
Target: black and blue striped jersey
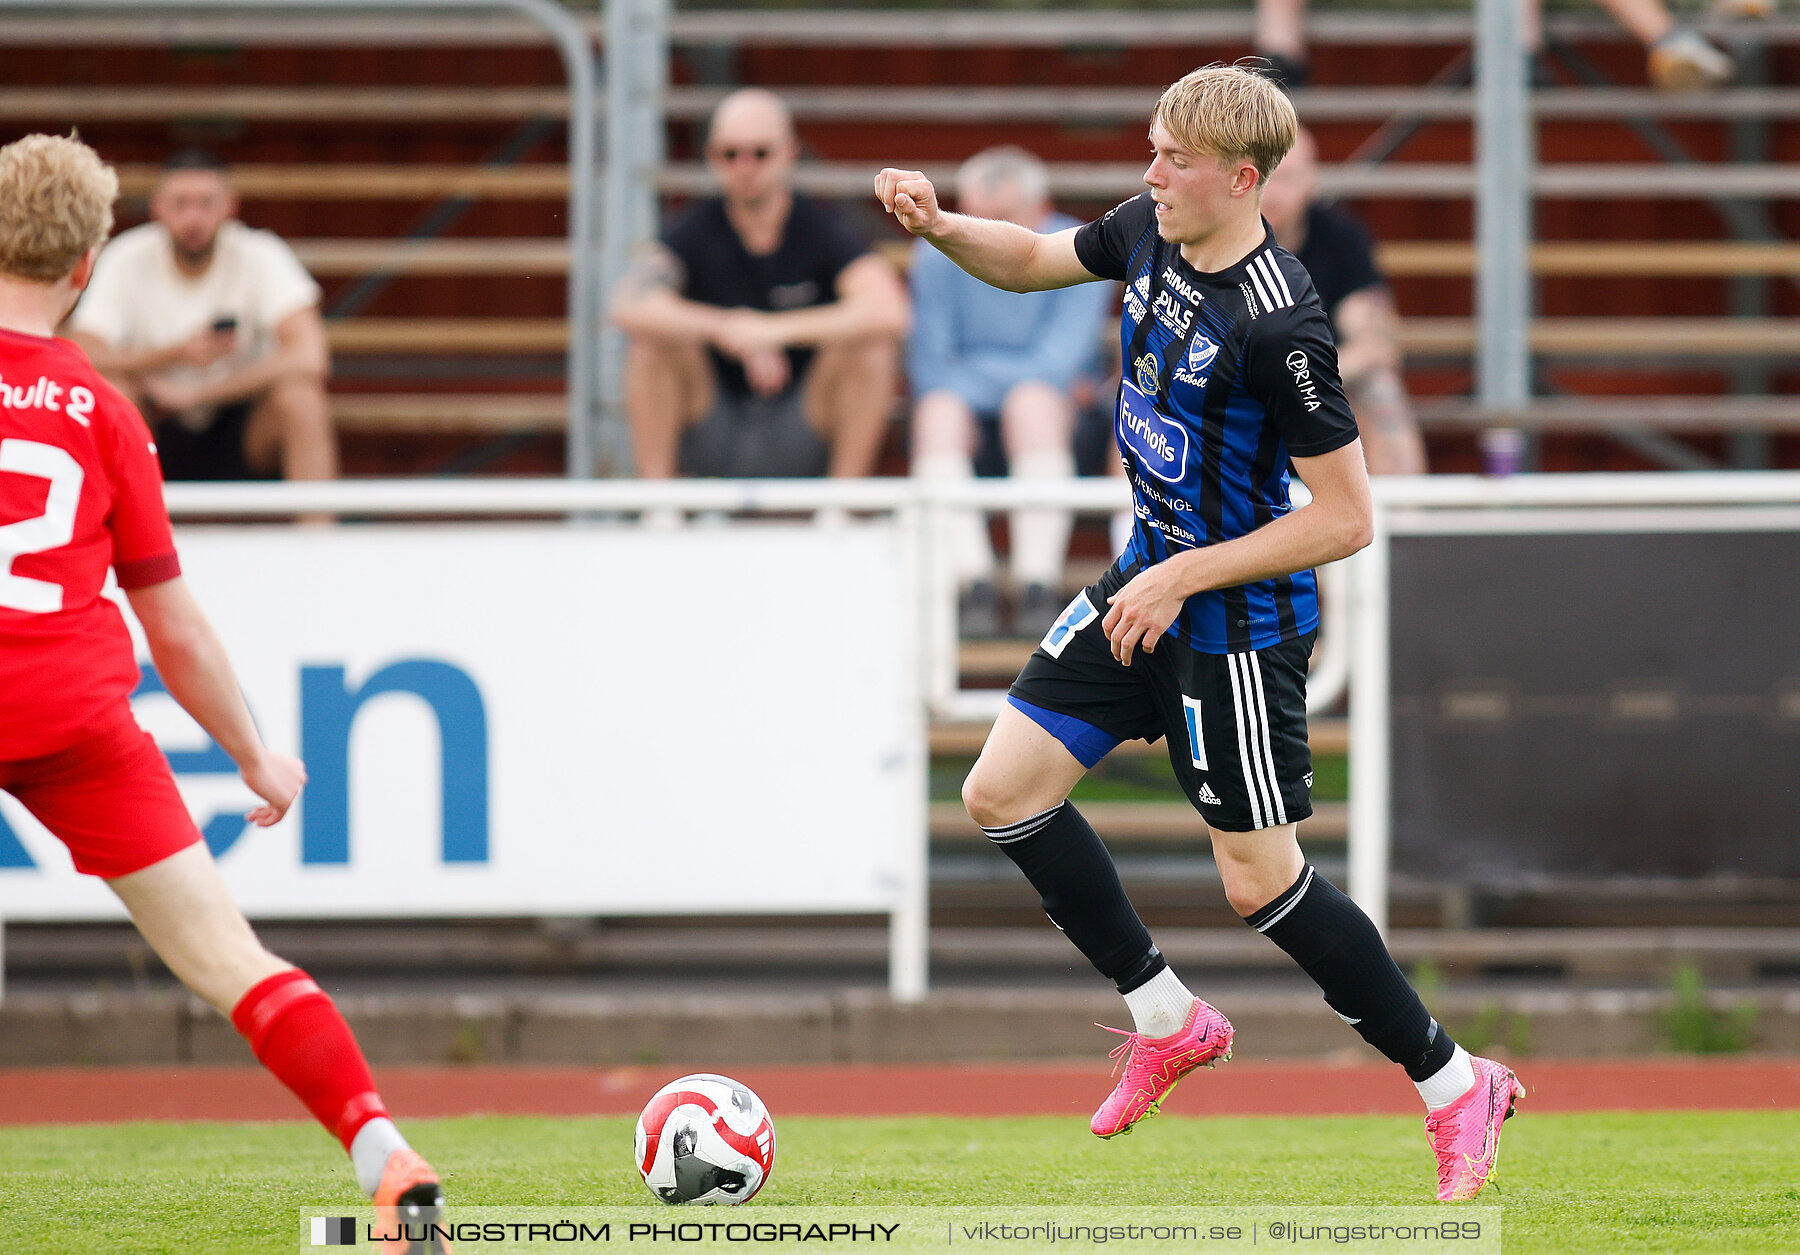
point(1225, 377)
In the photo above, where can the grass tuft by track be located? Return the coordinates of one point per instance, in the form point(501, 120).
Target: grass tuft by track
point(1676, 1182)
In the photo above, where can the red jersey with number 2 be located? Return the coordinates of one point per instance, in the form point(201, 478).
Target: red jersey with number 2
point(80, 491)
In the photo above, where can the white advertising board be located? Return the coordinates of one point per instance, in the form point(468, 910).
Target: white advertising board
point(549, 719)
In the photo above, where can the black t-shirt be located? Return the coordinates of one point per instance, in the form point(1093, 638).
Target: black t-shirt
point(1339, 254)
point(816, 245)
point(1226, 376)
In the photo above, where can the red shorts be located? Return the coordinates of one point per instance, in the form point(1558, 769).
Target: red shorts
point(110, 798)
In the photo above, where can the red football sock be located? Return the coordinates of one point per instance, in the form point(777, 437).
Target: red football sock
point(297, 1033)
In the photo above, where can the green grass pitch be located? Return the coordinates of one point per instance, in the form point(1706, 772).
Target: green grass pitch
point(1675, 1181)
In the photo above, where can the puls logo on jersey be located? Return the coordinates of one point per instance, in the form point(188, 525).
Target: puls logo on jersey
point(1171, 313)
point(1160, 445)
point(1196, 368)
point(1303, 380)
point(1137, 298)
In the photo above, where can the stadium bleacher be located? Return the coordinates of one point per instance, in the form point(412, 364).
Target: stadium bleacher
point(347, 138)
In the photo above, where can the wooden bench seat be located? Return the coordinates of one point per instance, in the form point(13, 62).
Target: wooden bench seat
point(1647, 258)
point(1062, 105)
point(941, 27)
point(447, 336)
point(450, 413)
point(536, 181)
point(1595, 413)
point(268, 104)
point(1399, 258)
point(1406, 180)
point(1619, 337)
point(1556, 337)
point(1088, 181)
point(332, 257)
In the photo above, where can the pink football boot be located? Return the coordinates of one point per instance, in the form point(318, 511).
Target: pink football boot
point(1466, 1134)
point(1154, 1064)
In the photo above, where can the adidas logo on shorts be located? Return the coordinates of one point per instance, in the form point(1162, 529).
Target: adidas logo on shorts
point(1207, 796)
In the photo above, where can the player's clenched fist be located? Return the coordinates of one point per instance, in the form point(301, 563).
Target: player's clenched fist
point(909, 196)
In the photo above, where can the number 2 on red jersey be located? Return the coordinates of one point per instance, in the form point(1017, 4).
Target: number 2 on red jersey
point(49, 530)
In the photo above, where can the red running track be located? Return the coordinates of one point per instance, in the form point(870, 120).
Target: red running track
point(79, 1095)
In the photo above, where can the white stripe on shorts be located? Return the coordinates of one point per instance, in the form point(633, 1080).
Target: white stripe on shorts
point(1237, 708)
point(1260, 734)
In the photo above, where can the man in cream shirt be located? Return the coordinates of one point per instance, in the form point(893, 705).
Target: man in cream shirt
point(213, 329)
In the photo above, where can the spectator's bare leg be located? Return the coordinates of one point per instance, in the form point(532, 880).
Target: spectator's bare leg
point(290, 427)
point(1037, 424)
point(1649, 20)
point(850, 392)
point(943, 448)
point(668, 388)
point(1281, 27)
point(1281, 33)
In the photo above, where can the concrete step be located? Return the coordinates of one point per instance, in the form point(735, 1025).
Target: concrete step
point(846, 1026)
point(767, 951)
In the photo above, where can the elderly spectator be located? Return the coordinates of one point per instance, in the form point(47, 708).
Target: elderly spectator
point(992, 372)
point(213, 329)
point(1339, 254)
point(764, 336)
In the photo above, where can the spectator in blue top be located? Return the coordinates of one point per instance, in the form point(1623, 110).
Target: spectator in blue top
point(992, 373)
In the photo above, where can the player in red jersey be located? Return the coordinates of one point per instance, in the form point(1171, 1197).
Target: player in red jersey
point(80, 491)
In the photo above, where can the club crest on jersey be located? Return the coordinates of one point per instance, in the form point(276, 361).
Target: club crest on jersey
point(1196, 368)
point(1147, 369)
point(1159, 445)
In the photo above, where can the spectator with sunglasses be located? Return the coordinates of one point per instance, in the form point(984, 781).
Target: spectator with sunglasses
point(764, 335)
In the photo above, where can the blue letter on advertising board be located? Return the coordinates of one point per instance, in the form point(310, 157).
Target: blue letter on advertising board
point(327, 711)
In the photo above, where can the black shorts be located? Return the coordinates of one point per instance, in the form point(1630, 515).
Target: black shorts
point(216, 451)
point(754, 437)
point(1235, 723)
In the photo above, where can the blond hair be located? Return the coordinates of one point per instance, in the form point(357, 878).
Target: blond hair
point(1231, 112)
point(56, 199)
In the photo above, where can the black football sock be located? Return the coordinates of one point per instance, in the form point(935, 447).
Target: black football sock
point(1065, 861)
point(1341, 949)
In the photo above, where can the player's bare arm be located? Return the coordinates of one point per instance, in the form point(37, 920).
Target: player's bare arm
point(198, 675)
point(1002, 254)
point(1339, 521)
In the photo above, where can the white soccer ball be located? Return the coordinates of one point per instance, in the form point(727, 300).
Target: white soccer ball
point(705, 1139)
